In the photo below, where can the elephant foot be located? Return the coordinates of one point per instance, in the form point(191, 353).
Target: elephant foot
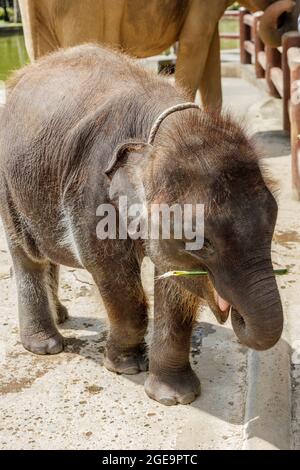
point(126, 362)
point(41, 345)
point(61, 314)
point(171, 390)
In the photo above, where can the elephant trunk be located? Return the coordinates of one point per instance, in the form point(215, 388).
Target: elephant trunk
point(276, 21)
point(258, 321)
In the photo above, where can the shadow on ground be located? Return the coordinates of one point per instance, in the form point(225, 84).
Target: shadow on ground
point(213, 350)
point(274, 143)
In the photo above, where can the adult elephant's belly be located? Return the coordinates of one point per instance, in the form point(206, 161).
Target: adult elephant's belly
point(142, 28)
point(145, 40)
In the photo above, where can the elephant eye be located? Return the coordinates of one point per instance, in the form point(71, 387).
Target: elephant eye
point(207, 243)
point(208, 246)
point(207, 249)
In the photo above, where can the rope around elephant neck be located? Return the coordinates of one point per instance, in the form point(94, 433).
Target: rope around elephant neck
point(166, 113)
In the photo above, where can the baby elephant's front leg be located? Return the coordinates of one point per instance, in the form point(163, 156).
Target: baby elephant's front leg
point(118, 278)
point(171, 379)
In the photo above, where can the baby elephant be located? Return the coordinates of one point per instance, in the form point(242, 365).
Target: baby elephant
point(85, 128)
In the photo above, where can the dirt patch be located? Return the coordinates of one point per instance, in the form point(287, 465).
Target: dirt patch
point(93, 389)
point(16, 386)
point(74, 345)
point(287, 237)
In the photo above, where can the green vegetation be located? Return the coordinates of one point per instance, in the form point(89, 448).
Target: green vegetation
point(13, 54)
point(234, 6)
point(10, 12)
point(6, 24)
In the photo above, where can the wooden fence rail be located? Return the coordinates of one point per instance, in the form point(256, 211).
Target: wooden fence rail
point(293, 56)
point(270, 63)
point(281, 69)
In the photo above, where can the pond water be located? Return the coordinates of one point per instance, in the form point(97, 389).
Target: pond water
point(12, 54)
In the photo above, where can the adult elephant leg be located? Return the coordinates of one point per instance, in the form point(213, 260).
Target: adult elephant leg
point(40, 37)
point(191, 61)
point(195, 41)
point(210, 83)
point(171, 379)
point(118, 278)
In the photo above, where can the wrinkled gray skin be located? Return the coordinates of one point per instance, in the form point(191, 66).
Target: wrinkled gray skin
point(84, 143)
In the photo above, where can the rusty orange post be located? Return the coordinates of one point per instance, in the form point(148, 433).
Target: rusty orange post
point(291, 39)
point(245, 35)
point(293, 58)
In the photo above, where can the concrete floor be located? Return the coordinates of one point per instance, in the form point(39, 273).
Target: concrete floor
point(248, 400)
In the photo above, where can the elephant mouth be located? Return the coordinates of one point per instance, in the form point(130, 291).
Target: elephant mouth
point(223, 308)
point(259, 337)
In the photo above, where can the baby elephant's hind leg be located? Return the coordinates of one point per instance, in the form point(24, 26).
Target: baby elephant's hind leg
point(61, 312)
point(37, 328)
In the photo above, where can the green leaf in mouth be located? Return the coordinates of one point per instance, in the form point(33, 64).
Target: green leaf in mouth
point(281, 272)
point(277, 272)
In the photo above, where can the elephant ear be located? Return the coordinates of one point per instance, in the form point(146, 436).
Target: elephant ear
point(125, 171)
point(125, 152)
